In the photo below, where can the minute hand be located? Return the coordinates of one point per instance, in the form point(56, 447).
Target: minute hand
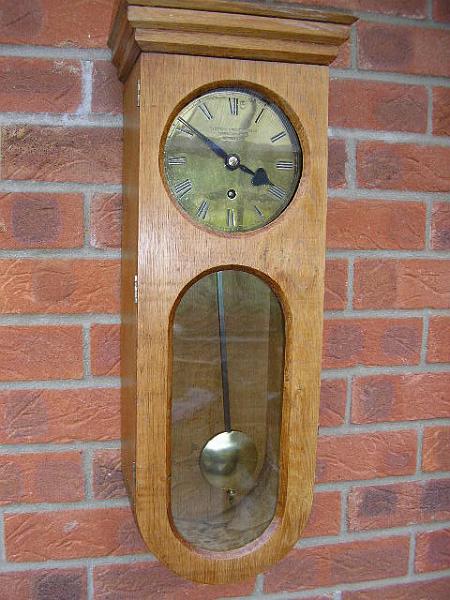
point(212, 145)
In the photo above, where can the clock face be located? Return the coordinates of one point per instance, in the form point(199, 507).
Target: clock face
point(232, 160)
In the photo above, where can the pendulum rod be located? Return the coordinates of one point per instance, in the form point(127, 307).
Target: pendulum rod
point(223, 353)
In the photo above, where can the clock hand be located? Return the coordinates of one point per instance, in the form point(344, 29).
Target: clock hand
point(260, 176)
point(212, 145)
point(223, 353)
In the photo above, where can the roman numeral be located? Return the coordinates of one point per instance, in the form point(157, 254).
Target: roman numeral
point(231, 217)
point(277, 136)
point(278, 192)
point(258, 212)
point(234, 106)
point(176, 160)
point(183, 187)
point(202, 210)
point(285, 164)
point(260, 114)
point(205, 111)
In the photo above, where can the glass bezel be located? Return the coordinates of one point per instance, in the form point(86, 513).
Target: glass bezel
point(287, 122)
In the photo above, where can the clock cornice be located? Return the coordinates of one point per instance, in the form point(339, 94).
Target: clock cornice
point(283, 32)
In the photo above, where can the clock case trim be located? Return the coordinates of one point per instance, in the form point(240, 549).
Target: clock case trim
point(223, 28)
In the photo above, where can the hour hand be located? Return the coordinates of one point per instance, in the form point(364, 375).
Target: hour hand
point(212, 145)
point(260, 177)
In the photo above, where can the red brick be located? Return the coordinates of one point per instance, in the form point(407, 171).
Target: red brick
point(41, 352)
point(325, 517)
point(71, 534)
point(31, 478)
point(441, 11)
point(398, 504)
point(403, 49)
point(440, 226)
point(400, 8)
point(29, 220)
point(40, 416)
point(151, 580)
point(106, 220)
point(432, 551)
point(374, 225)
point(55, 23)
point(73, 154)
point(107, 475)
point(343, 59)
point(37, 85)
point(441, 111)
point(422, 590)
point(107, 89)
point(105, 349)
point(366, 455)
point(59, 286)
point(403, 167)
point(336, 276)
point(339, 563)
point(332, 402)
point(337, 157)
point(401, 284)
point(351, 342)
point(380, 398)
point(439, 340)
point(436, 449)
point(374, 105)
point(44, 584)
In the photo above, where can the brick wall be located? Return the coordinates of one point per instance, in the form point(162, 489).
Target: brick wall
point(380, 526)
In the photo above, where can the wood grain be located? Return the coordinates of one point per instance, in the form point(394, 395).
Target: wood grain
point(219, 28)
point(130, 226)
point(172, 252)
point(286, 10)
point(244, 25)
point(233, 46)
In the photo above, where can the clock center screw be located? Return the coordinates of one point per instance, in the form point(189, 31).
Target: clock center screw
point(231, 194)
point(233, 161)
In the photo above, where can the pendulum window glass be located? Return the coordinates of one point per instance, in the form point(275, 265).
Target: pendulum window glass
point(228, 345)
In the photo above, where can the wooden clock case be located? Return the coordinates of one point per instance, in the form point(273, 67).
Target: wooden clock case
point(167, 52)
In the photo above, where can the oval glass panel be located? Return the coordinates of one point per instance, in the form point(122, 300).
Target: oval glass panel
point(227, 380)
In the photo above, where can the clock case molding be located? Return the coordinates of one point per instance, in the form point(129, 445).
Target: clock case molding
point(168, 52)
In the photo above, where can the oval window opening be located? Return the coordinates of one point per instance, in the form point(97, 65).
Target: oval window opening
point(227, 380)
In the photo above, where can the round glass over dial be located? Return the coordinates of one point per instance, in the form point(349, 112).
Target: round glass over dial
point(232, 160)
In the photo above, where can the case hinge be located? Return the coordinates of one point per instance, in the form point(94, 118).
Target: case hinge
point(138, 93)
point(136, 289)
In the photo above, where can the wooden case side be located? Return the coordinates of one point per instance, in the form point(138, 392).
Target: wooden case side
point(173, 251)
point(128, 331)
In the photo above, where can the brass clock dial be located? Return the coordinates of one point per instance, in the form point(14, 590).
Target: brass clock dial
point(232, 160)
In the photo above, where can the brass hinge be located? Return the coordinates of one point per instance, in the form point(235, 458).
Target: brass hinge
point(138, 93)
point(136, 289)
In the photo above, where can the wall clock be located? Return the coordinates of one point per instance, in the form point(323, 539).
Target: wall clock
point(225, 143)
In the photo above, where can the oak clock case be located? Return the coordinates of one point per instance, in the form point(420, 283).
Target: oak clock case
point(223, 244)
